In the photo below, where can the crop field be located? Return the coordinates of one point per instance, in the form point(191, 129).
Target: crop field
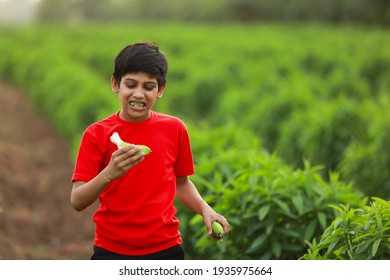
point(284, 120)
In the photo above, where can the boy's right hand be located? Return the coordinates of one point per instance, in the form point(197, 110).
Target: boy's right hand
point(85, 193)
point(123, 160)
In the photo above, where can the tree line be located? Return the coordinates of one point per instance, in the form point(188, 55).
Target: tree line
point(373, 12)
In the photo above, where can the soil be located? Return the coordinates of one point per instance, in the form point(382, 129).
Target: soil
point(36, 218)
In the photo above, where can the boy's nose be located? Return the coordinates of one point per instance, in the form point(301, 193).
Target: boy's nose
point(138, 93)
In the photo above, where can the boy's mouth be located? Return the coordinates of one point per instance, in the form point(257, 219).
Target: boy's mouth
point(136, 104)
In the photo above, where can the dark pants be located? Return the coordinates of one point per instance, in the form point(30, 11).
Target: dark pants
point(173, 253)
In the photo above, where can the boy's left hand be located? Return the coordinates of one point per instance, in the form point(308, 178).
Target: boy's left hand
point(211, 216)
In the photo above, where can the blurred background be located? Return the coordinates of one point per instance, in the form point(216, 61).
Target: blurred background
point(286, 103)
point(218, 11)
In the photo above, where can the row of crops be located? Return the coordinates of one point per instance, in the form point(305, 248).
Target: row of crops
point(265, 106)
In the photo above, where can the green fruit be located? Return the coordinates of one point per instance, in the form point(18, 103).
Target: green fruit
point(217, 229)
point(121, 144)
point(145, 149)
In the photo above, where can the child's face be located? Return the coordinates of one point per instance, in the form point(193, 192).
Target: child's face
point(137, 93)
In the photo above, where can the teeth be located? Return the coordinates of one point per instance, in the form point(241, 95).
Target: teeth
point(137, 104)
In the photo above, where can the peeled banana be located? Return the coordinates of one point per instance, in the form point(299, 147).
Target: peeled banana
point(121, 144)
point(217, 229)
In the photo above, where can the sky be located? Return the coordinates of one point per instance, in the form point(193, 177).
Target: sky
point(18, 11)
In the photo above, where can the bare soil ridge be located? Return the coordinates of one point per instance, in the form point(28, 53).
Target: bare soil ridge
point(36, 219)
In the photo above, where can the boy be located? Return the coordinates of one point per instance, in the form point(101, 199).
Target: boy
point(136, 218)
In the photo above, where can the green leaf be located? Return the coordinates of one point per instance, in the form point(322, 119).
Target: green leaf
point(256, 244)
point(339, 209)
point(337, 222)
point(298, 203)
point(249, 215)
point(385, 229)
point(375, 246)
point(363, 247)
point(332, 245)
point(284, 207)
point(264, 211)
point(288, 232)
point(266, 256)
point(311, 228)
point(235, 221)
point(384, 203)
point(276, 248)
point(253, 227)
point(364, 236)
point(322, 219)
point(269, 228)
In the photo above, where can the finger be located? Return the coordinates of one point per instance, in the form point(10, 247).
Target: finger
point(127, 152)
point(138, 159)
point(226, 229)
point(122, 152)
point(132, 160)
point(226, 226)
point(210, 230)
point(207, 223)
point(126, 157)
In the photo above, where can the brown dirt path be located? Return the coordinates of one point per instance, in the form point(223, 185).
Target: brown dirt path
point(36, 219)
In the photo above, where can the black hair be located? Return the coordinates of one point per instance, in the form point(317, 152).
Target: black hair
point(141, 57)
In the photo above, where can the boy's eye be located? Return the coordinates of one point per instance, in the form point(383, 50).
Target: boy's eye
point(149, 88)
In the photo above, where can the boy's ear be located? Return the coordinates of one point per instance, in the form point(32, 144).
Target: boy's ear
point(161, 91)
point(114, 85)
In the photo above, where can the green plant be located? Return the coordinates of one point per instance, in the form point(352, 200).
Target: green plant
point(306, 94)
point(366, 162)
point(271, 207)
point(322, 133)
point(355, 234)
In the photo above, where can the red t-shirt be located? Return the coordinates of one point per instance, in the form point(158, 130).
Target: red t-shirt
point(136, 214)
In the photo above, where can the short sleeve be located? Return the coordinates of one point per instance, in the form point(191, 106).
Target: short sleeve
point(184, 165)
point(89, 159)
